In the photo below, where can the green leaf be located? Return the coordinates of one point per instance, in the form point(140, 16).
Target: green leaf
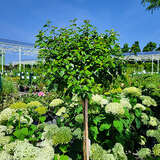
point(94, 132)
point(24, 131)
point(138, 123)
point(17, 133)
point(42, 119)
point(97, 119)
point(138, 112)
point(104, 127)
point(64, 157)
point(118, 125)
point(64, 148)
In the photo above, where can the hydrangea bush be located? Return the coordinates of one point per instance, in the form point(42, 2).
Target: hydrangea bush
point(121, 126)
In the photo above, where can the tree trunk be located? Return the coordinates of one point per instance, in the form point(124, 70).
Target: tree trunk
point(85, 138)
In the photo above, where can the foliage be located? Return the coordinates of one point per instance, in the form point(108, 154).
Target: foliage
point(158, 48)
point(8, 91)
point(135, 48)
point(151, 46)
point(151, 5)
point(125, 48)
point(77, 59)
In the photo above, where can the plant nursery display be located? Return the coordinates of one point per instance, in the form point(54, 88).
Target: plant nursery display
point(86, 102)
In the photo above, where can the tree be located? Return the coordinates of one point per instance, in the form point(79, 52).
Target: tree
point(125, 48)
point(151, 4)
point(77, 59)
point(151, 46)
point(135, 48)
point(158, 49)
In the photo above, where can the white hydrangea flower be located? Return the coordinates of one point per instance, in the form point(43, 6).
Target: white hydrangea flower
point(99, 100)
point(118, 152)
point(4, 140)
point(56, 102)
point(5, 156)
point(125, 103)
point(23, 149)
point(6, 114)
point(144, 118)
point(47, 152)
point(2, 130)
point(114, 108)
point(23, 119)
point(49, 131)
point(148, 101)
point(9, 129)
point(104, 102)
point(153, 121)
point(60, 111)
point(132, 91)
point(140, 106)
point(143, 153)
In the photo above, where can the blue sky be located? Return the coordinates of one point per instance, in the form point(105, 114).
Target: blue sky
point(22, 19)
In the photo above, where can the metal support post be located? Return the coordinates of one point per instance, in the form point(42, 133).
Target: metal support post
point(20, 59)
point(158, 65)
point(2, 61)
point(152, 65)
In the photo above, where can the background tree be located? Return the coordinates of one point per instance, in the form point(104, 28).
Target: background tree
point(77, 59)
point(135, 48)
point(151, 4)
point(151, 46)
point(158, 48)
point(125, 48)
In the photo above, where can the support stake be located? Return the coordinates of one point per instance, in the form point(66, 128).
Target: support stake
point(85, 138)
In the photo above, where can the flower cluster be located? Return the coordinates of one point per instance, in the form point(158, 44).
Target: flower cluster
point(4, 140)
point(114, 108)
point(98, 153)
point(118, 152)
point(144, 153)
point(60, 111)
point(5, 156)
point(41, 110)
point(34, 104)
point(148, 101)
point(139, 106)
point(55, 135)
point(6, 114)
point(56, 102)
point(125, 103)
point(78, 133)
point(154, 133)
point(99, 100)
point(156, 149)
point(133, 91)
point(113, 91)
point(23, 150)
point(144, 118)
point(74, 101)
point(153, 121)
point(41, 94)
point(63, 135)
point(79, 118)
point(18, 105)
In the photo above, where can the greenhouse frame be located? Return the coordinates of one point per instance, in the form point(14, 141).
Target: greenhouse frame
point(22, 48)
point(12, 47)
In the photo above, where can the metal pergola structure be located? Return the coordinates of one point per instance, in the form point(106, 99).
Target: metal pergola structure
point(11, 46)
point(23, 48)
point(144, 56)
